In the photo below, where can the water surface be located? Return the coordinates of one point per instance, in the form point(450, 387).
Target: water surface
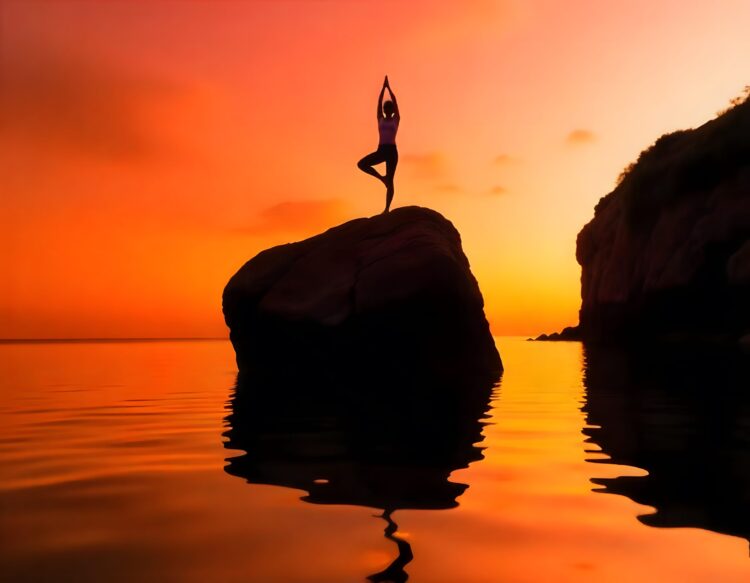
point(139, 462)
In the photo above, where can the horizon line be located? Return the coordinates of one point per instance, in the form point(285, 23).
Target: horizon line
point(112, 339)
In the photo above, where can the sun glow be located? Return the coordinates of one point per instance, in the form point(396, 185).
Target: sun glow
point(149, 149)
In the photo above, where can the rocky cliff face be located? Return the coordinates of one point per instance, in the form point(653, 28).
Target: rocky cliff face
point(373, 295)
point(667, 253)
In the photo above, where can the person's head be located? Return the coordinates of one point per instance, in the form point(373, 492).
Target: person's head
point(388, 108)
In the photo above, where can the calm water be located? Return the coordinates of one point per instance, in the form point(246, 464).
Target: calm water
point(587, 466)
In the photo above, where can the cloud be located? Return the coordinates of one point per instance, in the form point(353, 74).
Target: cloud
point(505, 160)
point(430, 165)
point(78, 104)
point(299, 216)
point(580, 136)
point(498, 190)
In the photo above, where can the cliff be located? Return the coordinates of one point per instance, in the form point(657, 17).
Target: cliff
point(667, 254)
point(377, 295)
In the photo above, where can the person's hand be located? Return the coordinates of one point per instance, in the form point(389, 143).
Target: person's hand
point(385, 83)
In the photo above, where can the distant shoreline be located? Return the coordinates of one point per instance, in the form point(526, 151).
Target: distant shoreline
point(164, 339)
point(107, 340)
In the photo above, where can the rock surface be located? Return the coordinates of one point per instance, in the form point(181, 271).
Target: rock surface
point(373, 295)
point(667, 254)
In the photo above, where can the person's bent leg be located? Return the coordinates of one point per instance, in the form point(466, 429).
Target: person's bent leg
point(366, 164)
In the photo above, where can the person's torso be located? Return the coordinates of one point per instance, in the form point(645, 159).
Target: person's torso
point(387, 128)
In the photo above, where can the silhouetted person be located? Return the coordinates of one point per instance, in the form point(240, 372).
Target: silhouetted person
point(388, 120)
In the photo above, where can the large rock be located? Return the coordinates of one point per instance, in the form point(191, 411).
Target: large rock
point(667, 254)
point(379, 295)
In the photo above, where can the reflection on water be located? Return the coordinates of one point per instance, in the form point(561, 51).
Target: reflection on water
point(389, 442)
point(113, 468)
point(684, 416)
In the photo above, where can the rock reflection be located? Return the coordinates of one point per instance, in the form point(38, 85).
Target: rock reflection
point(683, 415)
point(388, 442)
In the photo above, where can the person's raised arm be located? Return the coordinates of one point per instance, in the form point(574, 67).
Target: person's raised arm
point(396, 114)
point(380, 98)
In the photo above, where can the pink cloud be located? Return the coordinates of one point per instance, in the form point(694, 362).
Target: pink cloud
point(299, 216)
point(580, 136)
point(71, 103)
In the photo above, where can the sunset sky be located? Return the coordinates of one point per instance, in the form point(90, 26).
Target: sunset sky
point(148, 149)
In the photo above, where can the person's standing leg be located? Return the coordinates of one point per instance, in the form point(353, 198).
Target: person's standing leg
point(390, 171)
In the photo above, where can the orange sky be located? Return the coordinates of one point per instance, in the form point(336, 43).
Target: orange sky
point(148, 149)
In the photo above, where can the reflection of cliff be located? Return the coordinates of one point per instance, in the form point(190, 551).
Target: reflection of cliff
point(383, 441)
point(684, 416)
